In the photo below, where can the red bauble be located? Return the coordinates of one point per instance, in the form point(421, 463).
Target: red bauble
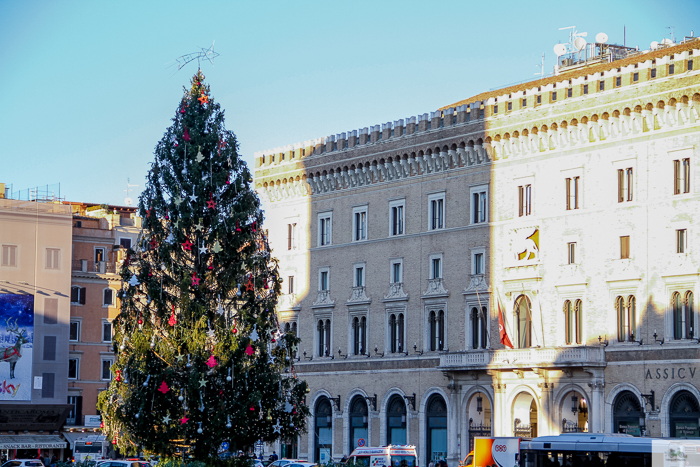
point(235, 330)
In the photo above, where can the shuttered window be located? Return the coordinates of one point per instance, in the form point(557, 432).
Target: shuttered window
point(47, 385)
point(50, 348)
point(9, 255)
point(50, 310)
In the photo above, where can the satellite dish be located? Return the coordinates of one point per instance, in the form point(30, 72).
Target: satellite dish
point(667, 41)
point(579, 43)
point(559, 50)
point(128, 201)
point(654, 45)
point(601, 38)
point(581, 34)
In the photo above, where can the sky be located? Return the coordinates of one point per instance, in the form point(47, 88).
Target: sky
point(89, 87)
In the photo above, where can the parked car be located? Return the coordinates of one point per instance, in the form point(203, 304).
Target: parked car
point(283, 462)
point(301, 464)
point(23, 463)
point(124, 463)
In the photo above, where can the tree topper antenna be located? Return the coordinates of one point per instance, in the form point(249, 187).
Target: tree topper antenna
point(203, 54)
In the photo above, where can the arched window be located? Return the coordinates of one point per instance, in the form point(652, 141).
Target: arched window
point(396, 421)
point(626, 312)
point(358, 421)
point(677, 316)
point(393, 332)
point(328, 338)
point(437, 330)
point(689, 315)
point(524, 322)
point(324, 430)
point(484, 328)
point(684, 412)
point(399, 332)
point(479, 328)
point(568, 322)
point(578, 318)
point(320, 328)
point(436, 417)
point(627, 412)
point(683, 315)
point(475, 327)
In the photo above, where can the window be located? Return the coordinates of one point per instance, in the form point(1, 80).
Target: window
point(48, 381)
point(291, 236)
point(671, 69)
point(437, 211)
point(625, 182)
point(359, 328)
point(324, 229)
point(681, 176)
point(324, 337)
point(653, 72)
point(569, 92)
point(9, 255)
point(683, 315)
point(585, 89)
point(359, 278)
point(75, 417)
point(524, 102)
point(571, 253)
point(50, 310)
point(572, 185)
point(495, 108)
point(396, 331)
point(690, 65)
point(601, 85)
point(573, 321)
point(479, 206)
point(523, 318)
point(618, 81)
point(396, 271)
point(359, 224)
point(554, 95)
point(106, 373)
point(635, 76)
point(510, 106)
point(73, 365)
point(77, 295)
point(99, 254)
point(436, 321)
point(125, 242)
point(624, 247)
point(479, 328)
point(52, 258)
point(397, 217)
point(49, 348)
point(626, 318)
point(108, 297)
point(436, 268)
point(681, 240)
point(106, 331)
point(290, 284)
point(539, 98)
point(524, 200)
point(478, 260)
point(74, 332)
point(323, 279)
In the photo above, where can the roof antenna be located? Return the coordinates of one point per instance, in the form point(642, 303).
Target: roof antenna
point(128, 201)
point(673, 33)
point(541, 65)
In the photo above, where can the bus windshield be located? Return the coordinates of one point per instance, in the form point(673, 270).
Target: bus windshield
point(403, 461)
point(82, 448)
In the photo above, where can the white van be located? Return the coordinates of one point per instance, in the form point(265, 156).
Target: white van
point(389, 456)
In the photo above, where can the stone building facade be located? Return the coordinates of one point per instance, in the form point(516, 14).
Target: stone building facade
point(566, 204)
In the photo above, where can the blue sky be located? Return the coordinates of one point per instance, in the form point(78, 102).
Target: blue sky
point(87, 91)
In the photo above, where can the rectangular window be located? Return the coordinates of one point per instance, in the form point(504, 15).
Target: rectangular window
point(690, 65)
point(77, 295)
point(73, 364)
point(571, 252)
point(290, 284)
point(585, 89)
point(106, 331)
point(601, 85)
point(681, 176)
point(618, 81)
point(554, 95)
point(539, 98)
point(524, 200)
point(397, 219)
point(324, 230)
point(635, 76)
point(9, 255)
point(671, 69)
point(510, 106)
point(478, 263)
point(625, 182)
point(74, 331)
point(52, 258)
point(49, 348)
point(291, 233)
point(360, 224)
point(653, 72)
point(572, 185)
point(108, 297)
point(99, 254)
point(323, 280)
point(681, 239)
point(396, 272)
point(50, 310)
point(436, 268)
point(359, 276)
point(106, 373)
point(478, 206)
point(524, 102)
point(625, 247)
point(569, 92)
point(125, 242)
point(48, 381)
point(437, 213)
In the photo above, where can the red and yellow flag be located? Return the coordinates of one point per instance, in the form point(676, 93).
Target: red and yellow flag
point(505, 340)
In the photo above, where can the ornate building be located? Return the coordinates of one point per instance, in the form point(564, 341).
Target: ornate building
point(567, 203)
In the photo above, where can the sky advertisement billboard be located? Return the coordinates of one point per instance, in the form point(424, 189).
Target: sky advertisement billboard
point(16, 346)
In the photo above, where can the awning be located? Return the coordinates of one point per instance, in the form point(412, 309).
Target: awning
point(32, 442)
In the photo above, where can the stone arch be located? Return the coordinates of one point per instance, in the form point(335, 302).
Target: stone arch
point(561, 399)
point(384, 409)
point(610, 399)
point(665, 408)
point(513, 400)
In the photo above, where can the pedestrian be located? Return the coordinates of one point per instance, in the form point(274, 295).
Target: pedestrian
point(431, 463)
point(274, 456)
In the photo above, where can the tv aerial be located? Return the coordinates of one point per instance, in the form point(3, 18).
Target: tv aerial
point(128, 201)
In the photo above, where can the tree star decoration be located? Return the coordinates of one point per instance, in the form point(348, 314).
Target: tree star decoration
point(167, 419)
point(249, 287)
point(203, 250)
point(195, 279)
point(203, 99)
point(203, 54)
point(187, 245)
point(183, 420)
point(211, 204)
point(134, 281)
point(277, 427)
point(202, 382)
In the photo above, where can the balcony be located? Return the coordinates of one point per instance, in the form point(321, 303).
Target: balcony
point(548, 357)
point(99, 267)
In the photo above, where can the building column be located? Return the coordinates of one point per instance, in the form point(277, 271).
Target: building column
point(453, 426)
point(547, 409)
point(501, 417)
point(597, 409)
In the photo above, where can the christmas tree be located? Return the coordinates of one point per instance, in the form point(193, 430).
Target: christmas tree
point(200, 357)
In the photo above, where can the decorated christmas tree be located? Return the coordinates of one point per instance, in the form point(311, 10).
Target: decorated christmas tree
point(200, 356)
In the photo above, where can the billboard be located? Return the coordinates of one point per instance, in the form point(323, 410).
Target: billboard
point(16, 346)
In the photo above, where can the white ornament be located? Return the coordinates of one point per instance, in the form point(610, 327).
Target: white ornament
point(134, 281)
point(254, 335)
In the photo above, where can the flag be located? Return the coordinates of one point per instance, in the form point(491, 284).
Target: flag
point(505, 340)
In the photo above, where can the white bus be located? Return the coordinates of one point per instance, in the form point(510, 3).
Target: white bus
point(90, 448)
point(389, 456)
